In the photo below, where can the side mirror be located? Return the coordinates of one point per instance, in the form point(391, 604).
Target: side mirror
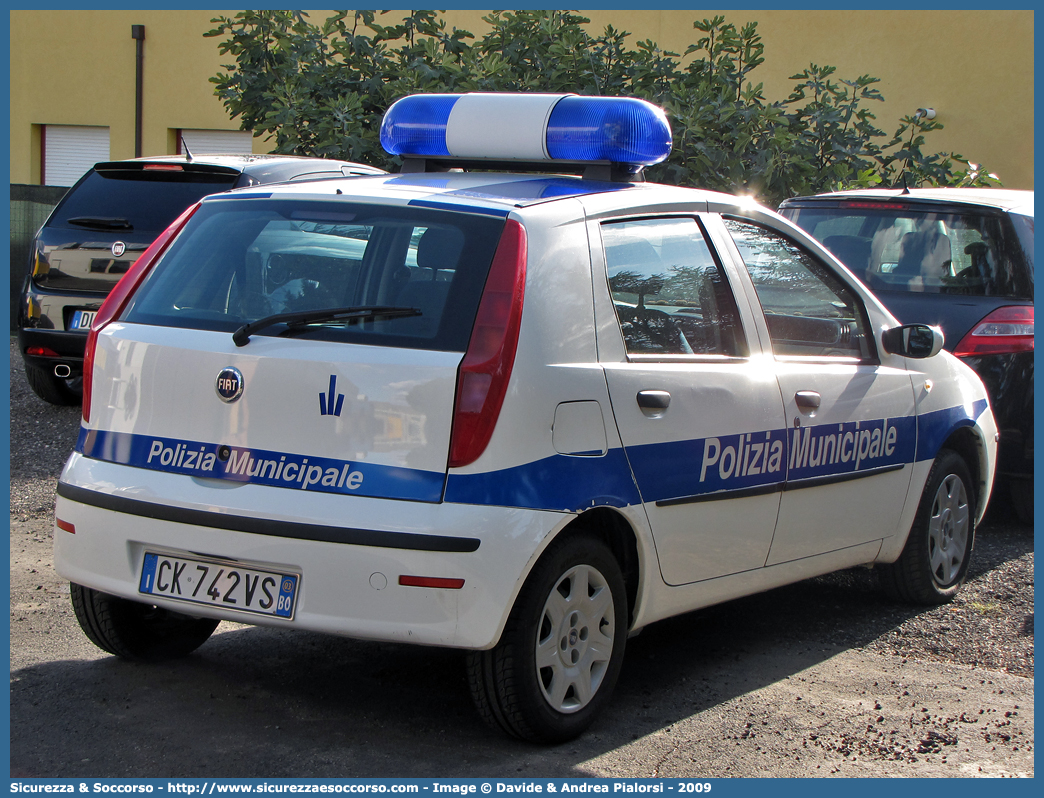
point(913, 340)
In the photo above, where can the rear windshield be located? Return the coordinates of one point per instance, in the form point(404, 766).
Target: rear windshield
point(242, 260)
point(906, 248)
point(135, 200)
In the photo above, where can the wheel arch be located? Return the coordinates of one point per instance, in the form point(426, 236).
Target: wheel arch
point(968, 444)
point(617, 533)
point(968, 441)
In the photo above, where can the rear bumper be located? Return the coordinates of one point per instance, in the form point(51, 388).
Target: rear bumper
point(1009, 382)
point(349, 581)
point(69, 347)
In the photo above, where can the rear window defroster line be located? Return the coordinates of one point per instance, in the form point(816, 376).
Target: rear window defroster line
point(263, 526)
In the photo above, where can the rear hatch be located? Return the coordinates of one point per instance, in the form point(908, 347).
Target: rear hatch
point(126, 204)
point(302, 344)
point(948, 264)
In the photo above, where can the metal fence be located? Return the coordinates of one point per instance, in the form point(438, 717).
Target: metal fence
point(30, 206)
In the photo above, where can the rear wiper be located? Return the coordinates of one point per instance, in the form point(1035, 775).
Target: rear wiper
point(102, 222)
point(361, 313)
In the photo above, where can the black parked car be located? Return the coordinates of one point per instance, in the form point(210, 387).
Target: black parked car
point(102, 225)
point(961, 259)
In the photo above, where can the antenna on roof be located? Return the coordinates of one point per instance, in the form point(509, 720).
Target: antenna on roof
point(906, 188)
point(188, 152)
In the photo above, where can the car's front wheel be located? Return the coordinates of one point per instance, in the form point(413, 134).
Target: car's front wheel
point(935, 560)
point(136, 631)
point(560, 654)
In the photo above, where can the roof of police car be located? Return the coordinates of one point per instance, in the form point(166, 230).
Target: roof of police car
point(475, 191)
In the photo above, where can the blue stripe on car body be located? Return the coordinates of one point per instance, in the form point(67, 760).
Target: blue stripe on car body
point(703, 469)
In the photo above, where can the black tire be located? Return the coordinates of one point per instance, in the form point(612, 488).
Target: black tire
point(52, 389)
point(571, 615)
point(935, 560)
point(135, 631)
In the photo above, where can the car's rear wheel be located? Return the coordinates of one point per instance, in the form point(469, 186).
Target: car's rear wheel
point(52, 389)
point(934, 562)
point(560, 654)
point(136, 631)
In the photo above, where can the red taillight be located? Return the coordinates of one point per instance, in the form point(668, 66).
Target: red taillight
point(65, 526)
point(117, 299)
point(163, 167)
point(486, 368)
point(877, 206)
point(1006, 330)
point(41, 351)
point(431, 581)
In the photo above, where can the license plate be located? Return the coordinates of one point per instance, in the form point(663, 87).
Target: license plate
point(82, 319)
point(219, 584)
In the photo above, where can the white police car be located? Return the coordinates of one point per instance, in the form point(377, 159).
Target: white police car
point(519, 414)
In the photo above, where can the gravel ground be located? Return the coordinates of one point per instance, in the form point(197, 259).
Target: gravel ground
point(761, 686)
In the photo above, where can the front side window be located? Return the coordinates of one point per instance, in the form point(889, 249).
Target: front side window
point(809, 311)
point(242, 260)
point(670, 294)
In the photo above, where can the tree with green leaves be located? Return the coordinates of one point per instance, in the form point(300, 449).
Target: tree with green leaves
point(322, 89)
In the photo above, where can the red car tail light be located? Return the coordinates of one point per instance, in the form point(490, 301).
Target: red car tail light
point(1005, 330)
point(119, 296)
point(486, 368)
point(41, 351)
point(877, 206)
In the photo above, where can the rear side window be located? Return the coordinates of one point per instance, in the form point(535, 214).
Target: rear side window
point(1024, 230)
point(242, 260)
point(670, 294)
point(894, 247)
point(136, 201)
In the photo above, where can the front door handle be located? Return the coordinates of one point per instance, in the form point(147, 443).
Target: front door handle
point(653, 400)
point(808, 401)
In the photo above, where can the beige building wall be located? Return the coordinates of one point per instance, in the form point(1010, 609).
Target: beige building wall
point(974, 67)
point(77, 68)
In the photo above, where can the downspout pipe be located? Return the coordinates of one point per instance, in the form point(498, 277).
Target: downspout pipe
point(138, 34)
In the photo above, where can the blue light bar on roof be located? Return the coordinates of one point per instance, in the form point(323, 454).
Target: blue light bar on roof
point(527, 127)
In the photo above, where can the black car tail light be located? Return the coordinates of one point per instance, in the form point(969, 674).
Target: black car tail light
point(1005, 330)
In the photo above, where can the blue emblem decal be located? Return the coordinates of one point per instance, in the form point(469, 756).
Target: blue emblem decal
point(229, 384)
point(330, 403)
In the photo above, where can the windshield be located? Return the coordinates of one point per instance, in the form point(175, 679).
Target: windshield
point(242, 260)
point(897, 247)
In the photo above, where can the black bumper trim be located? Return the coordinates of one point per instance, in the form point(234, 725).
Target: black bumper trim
point(264, 526)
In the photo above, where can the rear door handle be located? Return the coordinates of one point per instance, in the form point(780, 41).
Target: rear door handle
point(808, 401)
point(653, 400)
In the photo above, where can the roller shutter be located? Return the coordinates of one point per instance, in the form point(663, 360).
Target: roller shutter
point(213, 142)
point(69, 151)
